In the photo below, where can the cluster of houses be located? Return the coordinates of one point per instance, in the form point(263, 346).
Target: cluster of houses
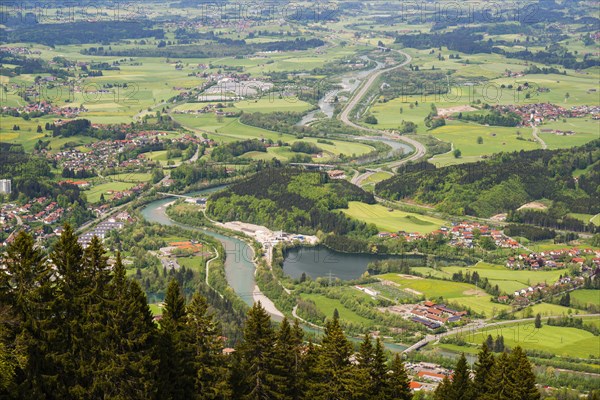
point(426, 376)
point(38, 210)
point(554, 259)
point(103, 228)
point(41, 105)
point(17, 50)
point(434, 316)
point(539, 113)
point(461, 234)
point(104, 154)
point(528, 294)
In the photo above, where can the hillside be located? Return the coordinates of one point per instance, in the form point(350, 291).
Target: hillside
point(504, 182)
point(292, 200)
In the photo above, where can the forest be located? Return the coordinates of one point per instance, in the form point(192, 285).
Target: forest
point(209, 50)
point(504, 182)
point(81, 32)
point(76, 328)
point(292, 200)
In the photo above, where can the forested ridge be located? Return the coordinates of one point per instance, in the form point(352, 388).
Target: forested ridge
point(505, 182)
point(292, 200)
point(75, 328)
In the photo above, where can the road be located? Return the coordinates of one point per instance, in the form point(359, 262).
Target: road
point(471, 328)
point(420, 150)
point(536, 131)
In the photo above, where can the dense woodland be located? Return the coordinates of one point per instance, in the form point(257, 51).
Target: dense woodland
point(75, 328)
point(505, 182)
point(215, 49)
point(292, 200)
point(81, 32)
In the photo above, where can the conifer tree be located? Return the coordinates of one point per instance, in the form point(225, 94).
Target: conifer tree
point(176, 378)
point(379, 371)
point(209, 363)
point(129, 360)
point(500, 384)
point(25, 296)
point(397, 382)
point(256, 372)
point(461, 387)
point(74, 337)
point(522, 375)
point(334, 377)
point(288, 359)
point(483, 369)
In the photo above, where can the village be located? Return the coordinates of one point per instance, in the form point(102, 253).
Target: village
point(540, 113)
point(462, 234)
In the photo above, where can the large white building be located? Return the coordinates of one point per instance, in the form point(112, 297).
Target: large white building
point(5, 187)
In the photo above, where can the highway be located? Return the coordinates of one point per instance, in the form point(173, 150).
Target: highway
point(420, 150)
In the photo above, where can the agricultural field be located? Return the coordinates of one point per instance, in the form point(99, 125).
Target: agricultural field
point(392, 221)
point(432, 288)
point(28, 136)
point(93, 194)
point(562, 341)
point(585, 130)
point(131, 177)
point(463, 136)
point(547, 310)
point(161, 156)
point(268, 104)
point(586, 297)
point(465, 294)
point(508, 280)
point(327, 307)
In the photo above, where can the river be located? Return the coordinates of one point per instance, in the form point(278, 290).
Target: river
point(349, 82)
point(239, 268)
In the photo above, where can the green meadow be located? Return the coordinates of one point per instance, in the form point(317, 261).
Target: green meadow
point(93, 194)
point(562, 341)
point(392, 221)
point(463, 136)
point(586, 297)
point(508, 280)
point(327, 307)
point(432, 288)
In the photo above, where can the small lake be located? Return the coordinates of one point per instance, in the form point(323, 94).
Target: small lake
point(320, 261)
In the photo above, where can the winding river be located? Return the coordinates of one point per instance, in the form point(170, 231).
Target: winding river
point(239, 268)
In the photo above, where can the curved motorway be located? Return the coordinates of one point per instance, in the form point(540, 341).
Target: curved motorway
point(344, 116)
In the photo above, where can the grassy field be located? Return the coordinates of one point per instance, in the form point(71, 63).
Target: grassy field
point(392, 221)
point(562, 341)
point(131, 177)
point(432, 288)
point(585, 130)
point(327, 306)
point(586, 297)
point(464, 294)
point(269, 104)
point(508, 280)
point(547, 310)
point(496, 139)
point(93, 194)
point(378, 177)
point(28, 136)
point(161, 157)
